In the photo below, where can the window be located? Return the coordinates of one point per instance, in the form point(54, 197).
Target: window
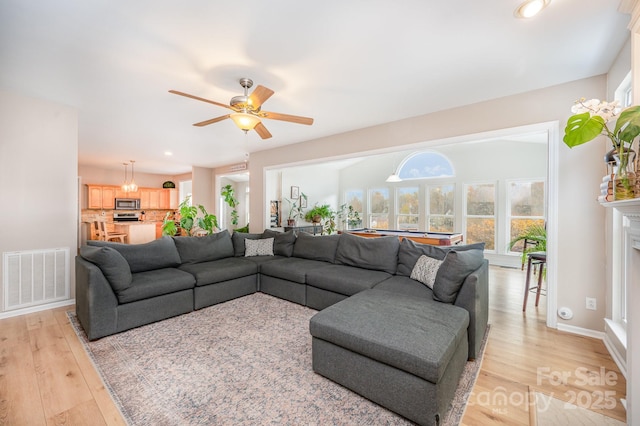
point(379, 208)
point(440, 205)
point(407, 215)
point(526, 208)
point(481, 214)
point(426, 164)
point(354, 201)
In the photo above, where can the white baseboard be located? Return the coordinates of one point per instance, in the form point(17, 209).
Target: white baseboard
point(581, 331)
point(37, 308)
point(617, 358)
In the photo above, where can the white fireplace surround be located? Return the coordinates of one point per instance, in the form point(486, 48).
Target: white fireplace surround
point(626, 247)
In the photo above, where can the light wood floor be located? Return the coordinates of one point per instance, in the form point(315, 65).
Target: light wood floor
point(47, 378)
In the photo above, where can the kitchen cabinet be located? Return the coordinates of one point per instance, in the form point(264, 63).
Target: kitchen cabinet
point(169, 199)
point(94, 196)
point(101, 196)
point(122, 194)
point(150, 198)
point(108, 197)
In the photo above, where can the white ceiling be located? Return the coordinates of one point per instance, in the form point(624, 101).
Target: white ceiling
point(348, 65)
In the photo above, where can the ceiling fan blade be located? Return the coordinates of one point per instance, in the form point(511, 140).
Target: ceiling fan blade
point(259, 96)
point(213, 120)
point(287, 117)
point(262, 131)
point(197, 98)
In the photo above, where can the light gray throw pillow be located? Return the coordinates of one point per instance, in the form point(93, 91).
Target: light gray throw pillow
point(261, 247)
point(425, 270)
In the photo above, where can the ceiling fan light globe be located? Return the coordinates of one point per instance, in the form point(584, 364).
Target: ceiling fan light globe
point(531, 8)
point(245, 121)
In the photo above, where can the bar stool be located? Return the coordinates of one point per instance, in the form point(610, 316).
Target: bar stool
point(535, 259)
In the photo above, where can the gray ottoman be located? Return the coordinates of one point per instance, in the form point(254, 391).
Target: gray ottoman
point(403, 353)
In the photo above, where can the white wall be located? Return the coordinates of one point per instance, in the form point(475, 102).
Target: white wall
point(38, 171)
point(580, 271)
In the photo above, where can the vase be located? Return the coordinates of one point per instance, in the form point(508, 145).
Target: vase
point(624, 177)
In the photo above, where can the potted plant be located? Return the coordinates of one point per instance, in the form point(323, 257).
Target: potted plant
point(295, 209)
point(232, 201)
point(535, 239)
point(318, 213)
point(353, 218)
point(590, 121)
point(189, 220)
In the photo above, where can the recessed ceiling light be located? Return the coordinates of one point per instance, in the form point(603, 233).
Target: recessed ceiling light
point(168, 153)
point(530, 8)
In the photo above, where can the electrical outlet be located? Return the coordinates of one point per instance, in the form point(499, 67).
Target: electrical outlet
point(591, 303)
point(104, 213)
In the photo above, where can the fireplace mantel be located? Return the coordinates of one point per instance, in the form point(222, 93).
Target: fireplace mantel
point(629, 239)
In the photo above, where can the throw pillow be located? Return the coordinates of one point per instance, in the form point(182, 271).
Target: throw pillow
point(283, 241)
point(425, 270)
point(238, 239)
point(455, 268)
point(262, 247)
point(410, 251)
point(204, 249)
point(112, 264)
point(157, 254)
point(378, 254)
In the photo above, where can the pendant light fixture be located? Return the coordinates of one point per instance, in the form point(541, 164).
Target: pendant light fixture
point(393, 177)
point(132, 185)
point(125, 184)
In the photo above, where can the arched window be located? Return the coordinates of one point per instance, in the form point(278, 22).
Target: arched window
point(425, 165)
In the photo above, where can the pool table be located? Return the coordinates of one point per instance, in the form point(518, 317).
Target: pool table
point(433, 238)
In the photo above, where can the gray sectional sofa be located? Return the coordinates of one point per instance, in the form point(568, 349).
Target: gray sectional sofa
point(378, 332)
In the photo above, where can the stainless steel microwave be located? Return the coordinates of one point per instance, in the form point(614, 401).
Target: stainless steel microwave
point(127, 203)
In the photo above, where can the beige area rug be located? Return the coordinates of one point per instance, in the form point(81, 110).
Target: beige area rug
point(243, 362)
point(551, 411)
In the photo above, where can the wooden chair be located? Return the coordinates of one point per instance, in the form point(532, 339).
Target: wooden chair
point(104, 235)
point(535, 259)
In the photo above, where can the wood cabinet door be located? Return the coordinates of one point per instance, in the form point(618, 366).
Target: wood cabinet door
point(154, 198)
point(94, 197)
point(109, 197)
point(168, 199)
point(144, 198)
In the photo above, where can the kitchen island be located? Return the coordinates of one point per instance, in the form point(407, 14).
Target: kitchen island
point(137, 232)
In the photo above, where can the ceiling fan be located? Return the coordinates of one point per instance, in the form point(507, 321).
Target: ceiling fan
point(247, 112)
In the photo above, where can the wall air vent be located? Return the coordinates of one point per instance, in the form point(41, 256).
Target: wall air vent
point(35, 277)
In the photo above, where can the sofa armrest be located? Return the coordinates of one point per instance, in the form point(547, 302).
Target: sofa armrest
point(474, 297)
point(96, 303)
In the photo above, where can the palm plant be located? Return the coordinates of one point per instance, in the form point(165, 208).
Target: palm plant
point(534, 238)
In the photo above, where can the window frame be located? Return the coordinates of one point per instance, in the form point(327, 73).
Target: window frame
point(466, 216)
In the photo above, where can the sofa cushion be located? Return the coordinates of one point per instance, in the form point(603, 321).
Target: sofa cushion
point(405, 285)
point(114, 267)
point(204, 249)
point(239, 244)
point(380, 254)
point(410, 334)
point(410, 252)
point(291, 268)
point(457, 265)
point(148, 284)
point(316, 247)
point(157, 254)
point(283, 243)
point(220, 270)
point(425, 270)
point(261, 247)
point(344, 279)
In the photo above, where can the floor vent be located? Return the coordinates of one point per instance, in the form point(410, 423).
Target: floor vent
point(35, 277)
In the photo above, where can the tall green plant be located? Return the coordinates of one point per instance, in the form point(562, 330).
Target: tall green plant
point(189, 219)
point(232, 201)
